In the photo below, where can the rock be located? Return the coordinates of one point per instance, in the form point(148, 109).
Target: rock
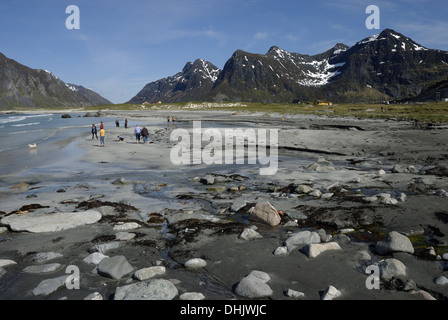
point(301, 238)
point(208, 179)
point(315, 193)
point(327, 195)
point(154, 289)
point(124, 236)
point(195, 263)
point(381, 172)
point(217, 189)
point(192, 296)
point(126, 226)
point(303, 189)
point(391, 268)
point(147, 273)
point(386, 198)
point(44, 268)
point(6, 262)
point(330, 293)
point(281, 251)
point(95, 258)
point(324, 237)
point(50, 222)
point(20, 186)
point(120, 182)
point(115, 267)
point(314, 249)
point(249, 234)
point(294, 294)
point(370, 199)
point(254, 285)
point(237, 205)
point(445, 256)
point(46, 256)
point(441, 193)
point(3, 230)
point(104, 247)
point(265, 212)
point(94, 296)
point(66, 116)
point(441, 280)
point(394, 242)
point(49, 286)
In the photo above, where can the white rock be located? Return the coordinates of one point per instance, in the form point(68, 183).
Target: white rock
point(6, 262)
point(330, 293)
point(281, 251)
point(124, 236)
point(95, 258)
point(94, 296)
point(441, 280)
point(49, 286)
point(150, 272)
point(42, 268)
point(390, 268)
point(265, 212)
point(153, 289)
point(249, 234)
point(327, 195)
point(50, 222)
point(387, 198)
point(192, 296)
point(294, 294)
point(46, 256)
point(381, 172)
point(316, 193)
point(314, 249)
point(394, 242)
point(301, 238)
point(126, 226)
point(303, 188)
point(3, 230)
point(195, 263)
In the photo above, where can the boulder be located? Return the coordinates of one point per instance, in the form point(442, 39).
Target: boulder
point(314, 249)
point(394, 242)
point(49, 286)
point(391, 268)
point(254, 285)
point(249, 234)
point(115, 267)
point(50, 222)
point(301, 238)
point(154, 289)
point(265, 212)
point(330, 293)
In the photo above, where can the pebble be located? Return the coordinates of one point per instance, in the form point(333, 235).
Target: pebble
point(114, 267)
point(104, 247)
point(301, 238)
point(314, 249)
point(94, 296)
point(48, 286)
point(249, 234)
point(6, 262)
point(95, 258)
point(46, 256)
point(294, 294)
point(44, 268)
point(441, 280)
point(147, 273)
point(126, 226)
point(192, 296)
point(391, 268)
point(153, 289)
point(195, 263)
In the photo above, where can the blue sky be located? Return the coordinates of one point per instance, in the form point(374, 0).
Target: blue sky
point(123, 45)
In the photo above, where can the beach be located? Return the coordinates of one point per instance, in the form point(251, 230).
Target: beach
point(358, 184)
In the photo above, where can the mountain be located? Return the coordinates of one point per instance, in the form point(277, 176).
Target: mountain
point(21, 86)
point(387, 66)
point(194, 82)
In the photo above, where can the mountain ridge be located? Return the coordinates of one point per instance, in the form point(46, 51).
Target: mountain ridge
point(22, 86)
point(386, 66)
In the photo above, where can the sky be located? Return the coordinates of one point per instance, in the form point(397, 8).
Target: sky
point(120, 46)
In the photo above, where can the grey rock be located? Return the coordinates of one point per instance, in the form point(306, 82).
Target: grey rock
point(281, 251)
point(43, 268)
point(147, 273)
point(114, 267)
point(95, 258)
point(441, 280)
point(312, 250)
point(104, 247)
point(394, 242)
point(192, 296)
point(249, 234)
point(94, 296)
point(254, 285)
point(390, 268)
point(265, 212)
point(154, 289)
point(294, 294)
point(195, 263)
point(48, 286)
point(330, 293)
point(50, 222)
point(46, 256)
point(301, 239)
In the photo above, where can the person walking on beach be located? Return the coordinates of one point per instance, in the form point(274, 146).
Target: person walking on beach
point(145, 134)
point(117, 123)
point(126, 123)
point(101, 125)
point(94, 132)
point(137, 132)
point(102, 137)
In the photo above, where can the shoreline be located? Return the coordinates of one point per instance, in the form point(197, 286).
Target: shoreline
point(181, 217)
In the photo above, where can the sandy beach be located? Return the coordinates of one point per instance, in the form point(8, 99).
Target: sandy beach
point(353, 182)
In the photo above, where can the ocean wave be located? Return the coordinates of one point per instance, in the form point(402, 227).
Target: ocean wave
point(18, 118)
point(25, 124)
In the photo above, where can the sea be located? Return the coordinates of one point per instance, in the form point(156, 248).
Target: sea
point(49, 131)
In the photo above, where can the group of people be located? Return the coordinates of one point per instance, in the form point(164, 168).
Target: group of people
point(139, 132)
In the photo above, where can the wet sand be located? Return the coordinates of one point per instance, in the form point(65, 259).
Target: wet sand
point(181, 217)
